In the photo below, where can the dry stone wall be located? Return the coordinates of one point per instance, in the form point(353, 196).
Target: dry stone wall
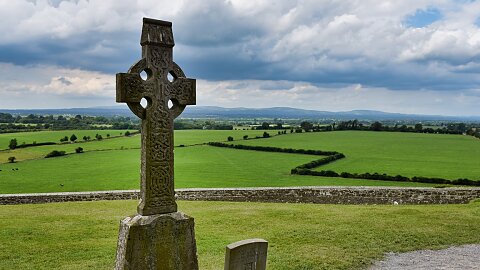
point(320, 195)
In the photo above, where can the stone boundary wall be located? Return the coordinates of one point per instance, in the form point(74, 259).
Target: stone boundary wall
point(320, 195)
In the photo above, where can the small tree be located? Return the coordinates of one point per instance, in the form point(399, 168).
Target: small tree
point(55, 153)
point(13, 144)
point(307, 126)
point(73, 138)
point(418, 127)
point(266, 135)
point(108, 135)
point(127, 133)
point(11, 159)
point(230, 138)
point(376, 126)
point(85, 138)
point(79, 150)
point(245, 137)
point(64, 139)
point(99, 137)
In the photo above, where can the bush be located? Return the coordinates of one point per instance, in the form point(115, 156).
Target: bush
point(127, 133)
point(245, 137)
point(11, 159)
point(230, 138)
point(73, 138)
point(266, 135)
point(79, 150)
point(55, 153)
point(64, 139)
point(13, 144)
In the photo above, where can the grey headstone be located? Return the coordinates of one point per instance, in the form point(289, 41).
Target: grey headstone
point(250, 254)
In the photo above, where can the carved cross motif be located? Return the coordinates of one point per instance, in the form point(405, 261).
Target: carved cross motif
point(157, 195)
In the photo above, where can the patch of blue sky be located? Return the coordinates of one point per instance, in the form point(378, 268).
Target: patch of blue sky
point(423, 17)
point(477, 22)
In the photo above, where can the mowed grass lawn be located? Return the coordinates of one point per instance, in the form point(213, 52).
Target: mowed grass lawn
point(408, 154)
point(83, 235)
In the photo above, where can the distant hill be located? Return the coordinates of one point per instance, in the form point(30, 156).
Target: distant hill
point(228, 113)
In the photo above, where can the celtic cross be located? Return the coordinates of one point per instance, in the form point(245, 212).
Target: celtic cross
point(157, 194)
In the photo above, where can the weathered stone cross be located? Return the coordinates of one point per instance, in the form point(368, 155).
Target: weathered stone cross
point(157, 195)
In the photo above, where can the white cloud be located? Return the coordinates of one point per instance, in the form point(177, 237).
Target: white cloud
point(56, 87)
point(42, 79)
point(350, 97)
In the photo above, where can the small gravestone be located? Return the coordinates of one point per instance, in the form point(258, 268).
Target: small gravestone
point(158, 237)
point(250, 254)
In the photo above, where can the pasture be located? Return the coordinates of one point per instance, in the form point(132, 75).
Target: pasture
point(196, 166)
point(182, 137)
point(52, 136)
point(83, 235)
point(408, 154)
point(114, 164)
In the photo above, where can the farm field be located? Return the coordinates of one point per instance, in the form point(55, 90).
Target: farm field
point(195, 166)
point(83, 235)
point(408, 154)
point(114, 164)
point(52, 136)
point(182, 137)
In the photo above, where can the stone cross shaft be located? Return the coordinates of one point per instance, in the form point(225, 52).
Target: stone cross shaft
point(157, 194)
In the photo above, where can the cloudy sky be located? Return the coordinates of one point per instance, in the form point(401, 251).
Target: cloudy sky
point(409, 56)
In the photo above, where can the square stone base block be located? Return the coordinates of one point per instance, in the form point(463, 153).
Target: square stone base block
point(163, 242)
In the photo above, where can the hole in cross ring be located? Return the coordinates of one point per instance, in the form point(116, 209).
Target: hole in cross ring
point(146, 74)
point(170, 104)
point(170, 77)
point(144, 102)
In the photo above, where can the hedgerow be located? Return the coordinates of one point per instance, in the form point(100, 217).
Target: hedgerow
point(331, 156)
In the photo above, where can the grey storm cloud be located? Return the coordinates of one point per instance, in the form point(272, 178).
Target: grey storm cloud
point(380, 44)
point(321, 42)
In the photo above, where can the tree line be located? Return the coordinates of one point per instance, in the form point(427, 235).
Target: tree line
point(31, 122)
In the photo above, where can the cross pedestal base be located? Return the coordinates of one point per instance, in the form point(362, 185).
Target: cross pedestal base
point(160, 242)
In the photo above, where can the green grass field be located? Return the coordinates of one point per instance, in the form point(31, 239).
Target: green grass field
point(196, 166)
point(83, 235)
point(52, 136)
point(115, 163)
point(182, 137)
point(408, 154)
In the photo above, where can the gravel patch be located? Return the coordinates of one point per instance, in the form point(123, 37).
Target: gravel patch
point(454, 258)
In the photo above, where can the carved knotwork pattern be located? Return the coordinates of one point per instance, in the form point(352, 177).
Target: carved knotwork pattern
point(161, 186)
point(160, 58)
point(181, 90)
point(177, 71)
